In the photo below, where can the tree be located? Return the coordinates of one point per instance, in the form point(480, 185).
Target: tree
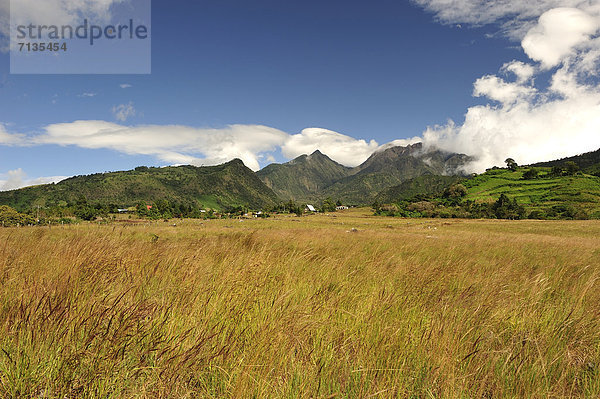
point(329, 205)
point(455, 191)
point(531, 174)
point(454, 194)
point(81, 201)
point(10, 217)
point(290, 207)
point(164, 208)
point(556, 171)
point(141, 208)
point(376, 207)
point(505, 208)
point(83, 210)
point(511, 164)
point(86, 212)
point(571, 168)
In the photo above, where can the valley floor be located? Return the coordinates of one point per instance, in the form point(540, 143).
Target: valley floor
point(344, 305)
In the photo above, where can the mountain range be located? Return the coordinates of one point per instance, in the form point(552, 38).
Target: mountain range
point(316, 176)
point(388, 175)
point(308, 178)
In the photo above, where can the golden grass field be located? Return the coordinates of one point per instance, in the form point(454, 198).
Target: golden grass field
point(305, 307)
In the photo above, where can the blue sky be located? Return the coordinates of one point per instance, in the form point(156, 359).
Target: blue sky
point(380, 70)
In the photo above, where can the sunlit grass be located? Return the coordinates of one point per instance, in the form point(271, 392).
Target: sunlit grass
point(301, 307)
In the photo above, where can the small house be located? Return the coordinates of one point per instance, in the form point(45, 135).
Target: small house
point(310, 208)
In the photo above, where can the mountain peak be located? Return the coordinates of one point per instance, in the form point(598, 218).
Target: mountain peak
point(318, 155)
point(302, 178)
point(235, 161)
point(398, 149)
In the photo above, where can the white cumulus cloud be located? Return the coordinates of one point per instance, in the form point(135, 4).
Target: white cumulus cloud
point(557, 34)
point(525, 132)
point(499, 90)
point(525, 119)
point(341, 148)
point(523, 72)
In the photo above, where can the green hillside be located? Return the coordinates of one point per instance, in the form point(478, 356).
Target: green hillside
point(537, 193)
point(230, 184)
point(545, 193)
point(588, 162)
point(425, 185)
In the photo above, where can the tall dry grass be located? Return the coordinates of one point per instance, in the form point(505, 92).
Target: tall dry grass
point(281, 308)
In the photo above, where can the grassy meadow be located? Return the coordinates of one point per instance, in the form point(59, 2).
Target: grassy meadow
point(327, 306)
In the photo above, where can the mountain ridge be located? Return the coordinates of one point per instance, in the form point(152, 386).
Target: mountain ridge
point(301, 179)
point(229, 184)
point(588, 162)
point(393, 166)
point(391, 173)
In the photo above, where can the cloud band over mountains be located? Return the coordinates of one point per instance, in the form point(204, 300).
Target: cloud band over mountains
point(177, 144)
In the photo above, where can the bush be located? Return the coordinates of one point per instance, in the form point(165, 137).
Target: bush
point(571, 168)
point(329, 205)
point(556, 171)
point(391, 208)
point(565, 211)
point(421, 206)
point(531, 174)
point(455, 193)
point(10, 217)
point(505, 208)
point(444, 214)
point(86, 212)
point(538, 214)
